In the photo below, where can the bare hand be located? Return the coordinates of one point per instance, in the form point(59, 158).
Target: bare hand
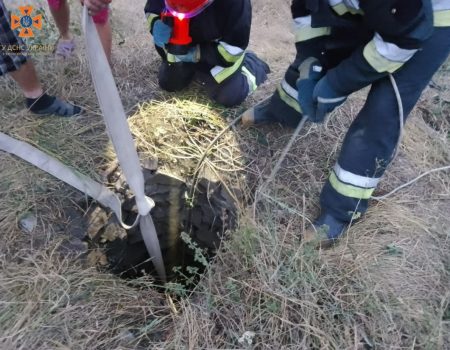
point(95, 6)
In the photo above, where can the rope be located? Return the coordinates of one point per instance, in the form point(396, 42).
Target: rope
point(411, 182)
point(397, 147)
point(286, 150)
point(401, 115)
point(277, 167)
point(121, 138)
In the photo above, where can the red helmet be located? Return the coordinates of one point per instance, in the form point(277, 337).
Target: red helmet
point(187, 8)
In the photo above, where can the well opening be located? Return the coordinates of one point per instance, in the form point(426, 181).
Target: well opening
point(189, 231)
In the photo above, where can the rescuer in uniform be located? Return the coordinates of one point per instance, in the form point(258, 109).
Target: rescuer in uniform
point(206, 39)
point(342, 47)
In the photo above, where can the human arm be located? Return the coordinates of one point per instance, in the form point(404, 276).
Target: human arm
point(400, 27)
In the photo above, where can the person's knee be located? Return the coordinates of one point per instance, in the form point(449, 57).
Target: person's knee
point(171, 83)
point(229, 100)
point(175, 77)
point(235, 90)
point(232, 93)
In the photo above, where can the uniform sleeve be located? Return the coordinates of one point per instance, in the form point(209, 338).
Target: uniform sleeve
point(153, 10)
point(309, 40)
point(400, 27)
point(227, 54)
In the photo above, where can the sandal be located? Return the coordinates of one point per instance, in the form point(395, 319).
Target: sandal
point(60, 108)
point(65, 48)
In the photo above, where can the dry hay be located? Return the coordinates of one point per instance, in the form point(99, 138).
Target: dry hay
point(178, 132)
point(385, 286)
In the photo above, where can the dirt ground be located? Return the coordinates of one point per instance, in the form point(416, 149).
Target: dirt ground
point(385, 286)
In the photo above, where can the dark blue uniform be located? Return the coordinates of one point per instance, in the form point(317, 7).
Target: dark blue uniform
point(359, 43)
point(222, 32)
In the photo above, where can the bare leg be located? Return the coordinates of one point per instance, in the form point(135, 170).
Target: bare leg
point(37, 101)
point(26, 77)
point(61, 16)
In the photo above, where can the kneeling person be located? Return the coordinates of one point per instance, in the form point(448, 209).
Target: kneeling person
point(342, 47)
point(206, 38)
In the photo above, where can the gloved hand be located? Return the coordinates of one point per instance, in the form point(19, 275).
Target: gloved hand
point(161, 33)
point(193, 55)
point(326, 99)
point(310, 73)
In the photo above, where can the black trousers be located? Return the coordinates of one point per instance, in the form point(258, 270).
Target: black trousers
point(231, 92)
point(371, 139)
point(370, 142)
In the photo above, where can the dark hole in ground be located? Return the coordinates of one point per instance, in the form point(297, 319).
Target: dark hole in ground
point(189, 235)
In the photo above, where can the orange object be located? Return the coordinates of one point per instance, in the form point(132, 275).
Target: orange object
point(187, 8)
point(180, 29)
point(180, 35)
point(26, 33)
point(26, 22)
point(26, 10)
point(37, 22)
point(15, 22)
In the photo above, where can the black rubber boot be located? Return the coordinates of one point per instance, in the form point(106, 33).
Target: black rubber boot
point(326, 231)
point(258, 114)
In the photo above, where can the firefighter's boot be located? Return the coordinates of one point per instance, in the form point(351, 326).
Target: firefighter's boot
point(325, 231)
point(258, 114)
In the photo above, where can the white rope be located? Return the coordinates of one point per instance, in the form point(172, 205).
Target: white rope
point(396, 151)
point(412, 182)
point(401, 116)
point(70, 176)
point(121, 138)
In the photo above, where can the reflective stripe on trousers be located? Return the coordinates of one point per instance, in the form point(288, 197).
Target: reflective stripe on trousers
point(370, 142)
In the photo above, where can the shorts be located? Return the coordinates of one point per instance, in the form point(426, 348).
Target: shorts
point(99, 18)
point(11, 57)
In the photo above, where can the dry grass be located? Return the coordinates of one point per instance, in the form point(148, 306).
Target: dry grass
point(386, 286)
point(48, 302)
point(177, 132)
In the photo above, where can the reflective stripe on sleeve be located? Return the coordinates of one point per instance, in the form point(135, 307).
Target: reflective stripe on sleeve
point(442, 18)
point(341, 7)
point(441, 10)
point(251, 79)
point(151, 17)
point(289, 95)
point(171, 58)
point(304, 31)
point(230, 53)
point(440, 5)
point(220, 73)
point(384, 56)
